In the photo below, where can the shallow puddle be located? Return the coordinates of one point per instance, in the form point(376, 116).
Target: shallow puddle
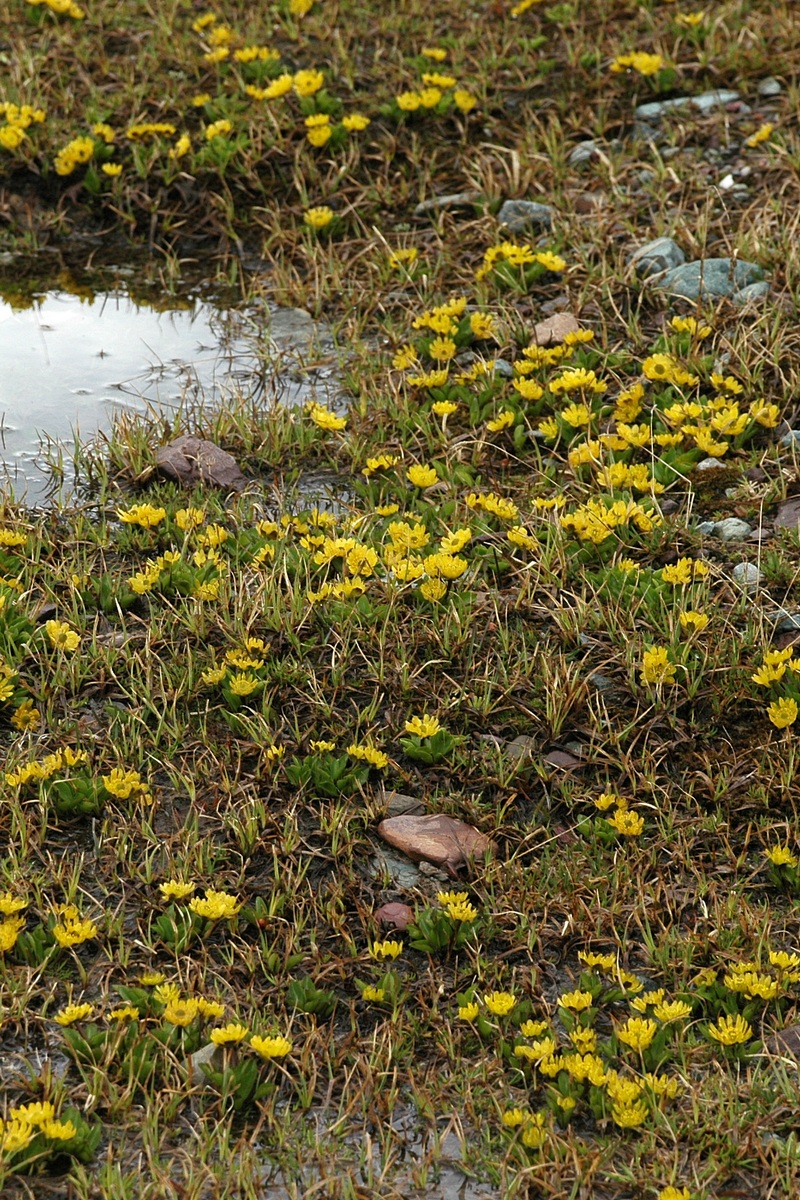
point(69, 362)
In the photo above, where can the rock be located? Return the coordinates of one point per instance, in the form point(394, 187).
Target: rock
point(554, 329)
point(603, 683)
point(394, 916)
point(436, 838)
point(770, 87)
point(732, 529)
point(207, 1056)
point(785, 1043)
point(190, 460)
point(521, 747)
point(792, 438)
point(788, 515)
point(398, 805)
point(583, 152)
point(455, 200)
point(656, 109)
point(519, 215)
point(662, 254)
point(503, 368)
point(753, 291)
point(709, 278)
point(561, 760)
point(710, 464)
point(402, 873)
point(747, 575)
point(786, 622)
point(707, 527)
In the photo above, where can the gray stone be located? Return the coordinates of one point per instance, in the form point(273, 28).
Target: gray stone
point(602, 682)
point(709, 278)
point(770, 87)
point(753, 291)
point(503, 368)
point(704, 103)
point(662, 254)
point(454, 200)
point(732, 529)
point(747, 575)
point(519, 215)
point(523, 746)
point(710, 464)
point(207, 1056)
point(786, 622)
point(706, 527)
point(397, 804)
point(792, 438)
point(582, 153)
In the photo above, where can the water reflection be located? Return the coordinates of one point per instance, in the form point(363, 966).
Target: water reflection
point(70, 359)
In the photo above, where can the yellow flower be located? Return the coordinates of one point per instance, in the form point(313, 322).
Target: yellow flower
point(145, 515)
point(243, 685)
point(672, 1010)
point(216, 906)
point(502, 421)
point(408, 101)
point(26, 717)
point(218, 129)
point(181, 1012)
point(640, 62)
point(433, 589)
point(174, 889)
point(61, 636)
point(404, 257)
point(324, 418)
point(306, 83)
point(626, 823)
point(271, 1047)
point(783, 713)
point(10, 929)
point(112, 169)
point(124, 784)
point(468, 1012)
point(731, 1031)
point(381, 951)
point(375, 995)
point(762, 134)
point(355, 122)
point(693, 620)
point(657, 667)
point(442, 349)
point(576, 1001)
point(228, 1033)
point(73, 1013)
point(421, 476)
point(673, 1193)
point(126, 1013)
point(74, 932)
point(464, 100)
point(444, 408)
point(500, 1003)
point(423, 727)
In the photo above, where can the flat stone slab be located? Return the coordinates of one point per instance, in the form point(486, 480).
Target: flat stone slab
point(709, 278)
point(435, 838)
point(705, 102)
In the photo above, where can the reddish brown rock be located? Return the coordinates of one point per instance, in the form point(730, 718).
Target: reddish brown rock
point(394, 916)
point(435, 838)
point(554, 329)
point(788, 515)
point(190, 460)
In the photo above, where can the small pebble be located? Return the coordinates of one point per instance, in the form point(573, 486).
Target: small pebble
point(770, 87)
point(732, 529)
point(786, 622)
point(519, 215)
point(707, 527)
point(710, 464)
point(792, 438)
point(747, 575)
point(582, 153)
